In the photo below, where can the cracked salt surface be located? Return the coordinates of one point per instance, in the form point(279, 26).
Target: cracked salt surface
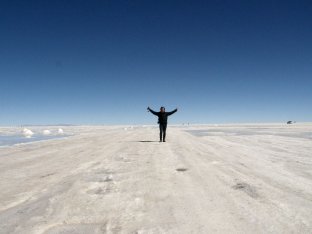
point(248, 132)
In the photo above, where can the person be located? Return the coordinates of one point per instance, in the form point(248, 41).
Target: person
point(162, 121)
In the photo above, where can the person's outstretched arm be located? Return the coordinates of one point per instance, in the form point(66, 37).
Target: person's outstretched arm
point(153, 112)
point(172, 112)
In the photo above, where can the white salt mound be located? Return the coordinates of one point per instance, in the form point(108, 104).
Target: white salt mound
point(60, 131)
point(46, 132)
point(27, 133)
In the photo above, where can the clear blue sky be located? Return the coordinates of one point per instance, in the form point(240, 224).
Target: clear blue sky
point(104, 62)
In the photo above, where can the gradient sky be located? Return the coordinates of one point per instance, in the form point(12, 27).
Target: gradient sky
point(104, 62)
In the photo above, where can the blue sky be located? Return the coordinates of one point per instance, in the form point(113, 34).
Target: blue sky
point(104, 62)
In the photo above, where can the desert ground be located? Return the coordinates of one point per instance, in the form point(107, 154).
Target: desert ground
point(254, 178)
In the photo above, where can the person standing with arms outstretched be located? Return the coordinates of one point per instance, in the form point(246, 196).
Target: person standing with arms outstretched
point(162, 121)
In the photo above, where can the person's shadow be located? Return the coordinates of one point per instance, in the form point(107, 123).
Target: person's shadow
point(147, 141)
point(139, 141)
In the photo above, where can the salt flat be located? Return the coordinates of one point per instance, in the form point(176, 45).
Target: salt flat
point(204, 179)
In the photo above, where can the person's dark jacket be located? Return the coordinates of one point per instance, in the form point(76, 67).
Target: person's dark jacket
point(162, 116)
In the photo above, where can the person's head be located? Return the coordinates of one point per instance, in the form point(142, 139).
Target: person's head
point(162, 109)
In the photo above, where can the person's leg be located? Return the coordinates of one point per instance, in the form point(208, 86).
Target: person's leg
point(164, 132)
point(160, 132)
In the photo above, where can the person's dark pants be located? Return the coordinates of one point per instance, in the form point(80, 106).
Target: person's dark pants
point(162, 131)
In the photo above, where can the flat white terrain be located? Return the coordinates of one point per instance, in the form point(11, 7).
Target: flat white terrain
point(204, 179)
